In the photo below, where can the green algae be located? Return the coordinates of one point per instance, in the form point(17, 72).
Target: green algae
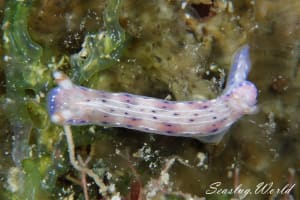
point(102, 49)
point(22, 54)
point(26, 80)
point(22, 57)
point(37, 142)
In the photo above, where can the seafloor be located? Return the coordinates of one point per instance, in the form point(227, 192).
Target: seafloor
point(176, 50)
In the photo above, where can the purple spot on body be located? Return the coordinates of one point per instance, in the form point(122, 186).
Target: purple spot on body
point(154, 117)
point(127, 95)
point(224, 119)
point(196, 114)
point(175, 114)
point(191, 120)
point(214, 117)
point(169, 132)
point(169, 102)
point(125, 113)
point(112, 110)
point(100, 92)
point(103, 100)
point(70, 121)
point(153, 111)
point(214, 130)
point(83, 88)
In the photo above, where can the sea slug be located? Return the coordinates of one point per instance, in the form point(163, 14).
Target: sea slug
point(208, 120)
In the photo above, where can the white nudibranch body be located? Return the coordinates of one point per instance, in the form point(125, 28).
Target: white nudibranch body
point(69, 104)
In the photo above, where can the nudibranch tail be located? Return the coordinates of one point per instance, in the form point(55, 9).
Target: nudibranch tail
point(69, 104)
point(240, 68)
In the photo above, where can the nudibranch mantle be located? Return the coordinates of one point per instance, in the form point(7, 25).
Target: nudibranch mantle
point(207, 121)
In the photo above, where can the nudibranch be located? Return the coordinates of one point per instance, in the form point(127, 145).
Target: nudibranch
point(207, 121)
